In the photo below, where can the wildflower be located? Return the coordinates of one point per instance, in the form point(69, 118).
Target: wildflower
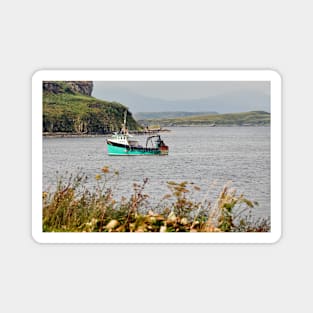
point(167, 196)
point(172, 217)
point(105, 169)
point(140, 229)
point(98, 177)
point(163, 229)
point(111, 225)
point(184, 221)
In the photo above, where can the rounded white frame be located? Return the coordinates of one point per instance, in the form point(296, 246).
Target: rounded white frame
point(158, 75)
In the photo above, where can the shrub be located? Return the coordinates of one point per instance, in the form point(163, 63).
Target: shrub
point(75, 208)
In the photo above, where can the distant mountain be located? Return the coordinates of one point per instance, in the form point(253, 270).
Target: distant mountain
point(230, 102)
point(153, 115)
point(253, 118)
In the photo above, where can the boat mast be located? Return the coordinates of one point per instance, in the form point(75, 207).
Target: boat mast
point(124, 129)
point(125, 114)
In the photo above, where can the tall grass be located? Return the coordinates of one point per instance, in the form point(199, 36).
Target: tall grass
point(74, 207)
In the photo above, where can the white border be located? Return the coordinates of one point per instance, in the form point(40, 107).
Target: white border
point(157, 75)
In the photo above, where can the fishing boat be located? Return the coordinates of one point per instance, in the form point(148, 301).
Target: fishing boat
point(123, 143)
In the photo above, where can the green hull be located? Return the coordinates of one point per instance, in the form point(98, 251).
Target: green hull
point(114, 150)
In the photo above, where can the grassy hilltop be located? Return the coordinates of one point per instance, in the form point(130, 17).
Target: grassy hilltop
point(253, 118)
point(69, 108)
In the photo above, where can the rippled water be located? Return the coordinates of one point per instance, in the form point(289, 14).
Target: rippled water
point(207, 156)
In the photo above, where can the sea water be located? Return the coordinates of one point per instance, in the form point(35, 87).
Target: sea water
point(209, 157)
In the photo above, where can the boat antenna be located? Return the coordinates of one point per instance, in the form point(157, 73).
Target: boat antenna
point(125, 114)
point(124, 124)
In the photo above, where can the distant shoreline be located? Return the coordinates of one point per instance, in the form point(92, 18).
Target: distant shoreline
point(60, 134)
point(169, 125)
point(74, 135)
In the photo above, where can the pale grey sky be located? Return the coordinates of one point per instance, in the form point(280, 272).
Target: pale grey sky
point(182, 90)
point(143, 96)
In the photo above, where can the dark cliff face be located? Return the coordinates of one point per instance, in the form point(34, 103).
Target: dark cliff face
point(73, 87)
point(68, 107)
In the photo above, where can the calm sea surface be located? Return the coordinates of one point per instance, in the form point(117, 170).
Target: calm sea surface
point(208, 156)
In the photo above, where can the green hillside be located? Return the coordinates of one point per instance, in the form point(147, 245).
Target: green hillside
point(67, 108)
point(253, 118)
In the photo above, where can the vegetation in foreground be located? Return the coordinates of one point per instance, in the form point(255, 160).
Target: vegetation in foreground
point(75, 208)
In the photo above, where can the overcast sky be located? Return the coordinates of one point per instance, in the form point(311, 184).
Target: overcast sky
point(181, 90)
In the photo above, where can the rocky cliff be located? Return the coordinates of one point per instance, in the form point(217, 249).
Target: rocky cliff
point(69, 108)
point(57, 87)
